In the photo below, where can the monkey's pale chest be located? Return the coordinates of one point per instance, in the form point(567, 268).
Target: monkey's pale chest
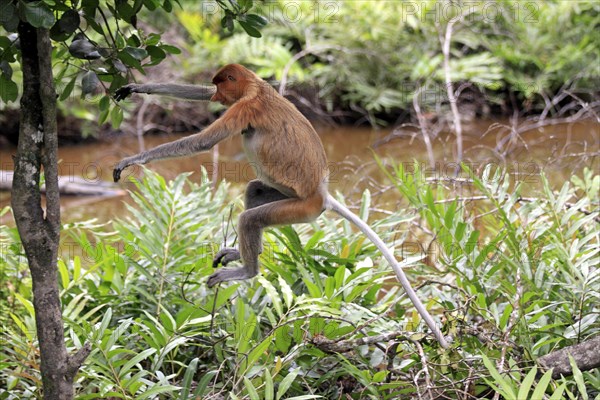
point(252, 143)
point(262, 161)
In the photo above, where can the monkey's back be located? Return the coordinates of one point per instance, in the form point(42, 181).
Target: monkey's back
point(284, 149)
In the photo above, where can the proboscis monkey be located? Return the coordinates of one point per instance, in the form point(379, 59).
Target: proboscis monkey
point(286, 154)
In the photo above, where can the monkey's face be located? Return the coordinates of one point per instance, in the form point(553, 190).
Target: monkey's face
point(231, 81)
point(228, 92)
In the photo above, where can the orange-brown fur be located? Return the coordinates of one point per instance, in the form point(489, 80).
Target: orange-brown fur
point(288, 158)
point(281, 145)
point(289, 152)
point(284, 149)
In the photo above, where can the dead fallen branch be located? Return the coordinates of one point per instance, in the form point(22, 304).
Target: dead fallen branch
point(585, 354)
point(71, 185)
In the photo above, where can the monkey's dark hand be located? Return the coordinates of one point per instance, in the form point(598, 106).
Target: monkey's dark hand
point(119, 168)
point(117, 174)
point(125, 91)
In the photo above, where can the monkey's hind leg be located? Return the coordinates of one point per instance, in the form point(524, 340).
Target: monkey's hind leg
point(257, 194)
point(252, 223)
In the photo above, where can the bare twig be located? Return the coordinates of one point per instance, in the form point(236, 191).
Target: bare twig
point(424, 128)
point(445, 41)
point(139, 123)
point(512, 322)
point(424, 370)
point(344, 346)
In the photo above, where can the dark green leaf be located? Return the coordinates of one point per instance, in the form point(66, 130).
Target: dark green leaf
point(12, 22)
point(69, 21)
point(82, 48)
point(119, 66)
point(95, 26)
point(245, 5)
point(60, 6)
point(167, 6)
point(9, 90)
point(102, 117)
point(153, 39)
point(117, 82)
point(7, 11)
point(57, 34)
point(137, 6)
point(9, 54)
point(68, 89)
point(89, 7)
point(124, 10)
point(5, 42)
point(103, 105)
point(38, 14)
point(129, 61)
point(256, 20)
point(134, 41)
point(120, 41)
point(250, 30)
point(156, 53)
point(151, 4)
point(187, 380)
point(136, 52)
point(12, 25)
point(6, 69)
point(89, 82)
point(170, 49)
point(116, 117)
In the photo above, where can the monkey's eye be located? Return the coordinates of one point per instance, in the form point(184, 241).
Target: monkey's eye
point(231, 78)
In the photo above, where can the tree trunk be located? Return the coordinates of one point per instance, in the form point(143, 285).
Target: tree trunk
point(39, 230)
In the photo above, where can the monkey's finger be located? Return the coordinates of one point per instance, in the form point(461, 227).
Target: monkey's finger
point(230, 257)
point(226, 259)
point(225, 256)
point(212, 280)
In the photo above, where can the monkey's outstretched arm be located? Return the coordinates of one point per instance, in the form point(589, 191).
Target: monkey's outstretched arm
point(233, 121)
point(332, 204)
point(186, 92)
point(202, 141)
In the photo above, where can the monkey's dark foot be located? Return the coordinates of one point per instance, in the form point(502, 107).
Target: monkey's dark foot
point(225, 256)
point(123, 92)
point(230, 274)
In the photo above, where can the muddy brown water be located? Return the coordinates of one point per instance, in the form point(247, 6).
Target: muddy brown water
point(560, 151)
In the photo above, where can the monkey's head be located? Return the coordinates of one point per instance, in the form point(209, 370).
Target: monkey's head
point(233, 82)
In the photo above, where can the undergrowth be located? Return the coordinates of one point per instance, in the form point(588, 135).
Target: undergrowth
point(509, 278)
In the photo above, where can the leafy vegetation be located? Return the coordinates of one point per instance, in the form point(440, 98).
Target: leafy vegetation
point(370, 58)
point(511, 279)
point(97, 45)
point(366, 59)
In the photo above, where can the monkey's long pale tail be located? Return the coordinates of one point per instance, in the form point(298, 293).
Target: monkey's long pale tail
point(334, 205)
